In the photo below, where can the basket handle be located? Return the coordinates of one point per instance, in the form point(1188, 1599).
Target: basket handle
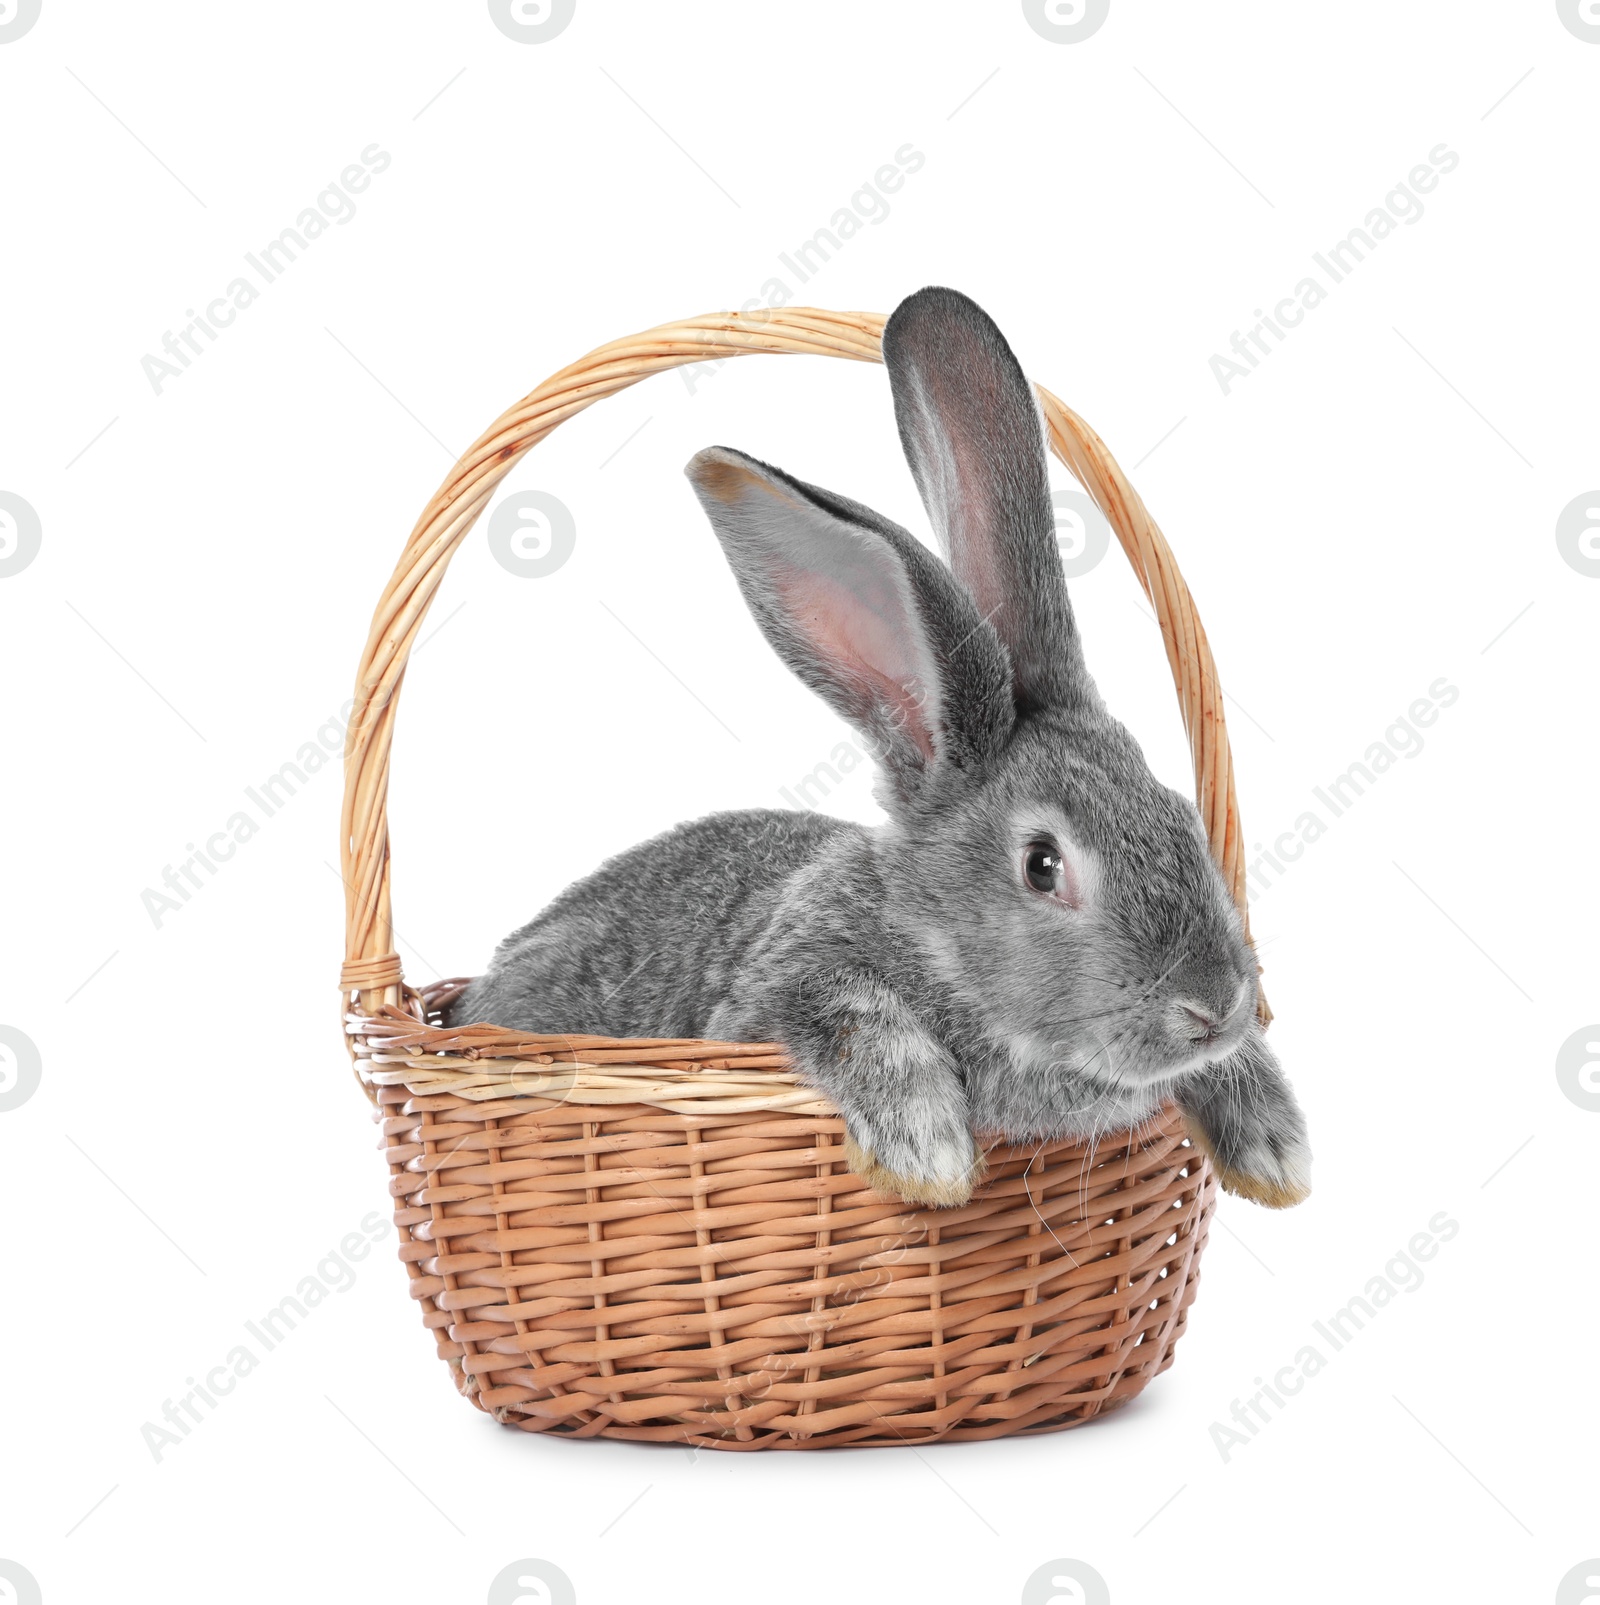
point(372, 967)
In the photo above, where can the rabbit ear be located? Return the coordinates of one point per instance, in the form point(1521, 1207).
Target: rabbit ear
point(864, 614)
point(971, 431)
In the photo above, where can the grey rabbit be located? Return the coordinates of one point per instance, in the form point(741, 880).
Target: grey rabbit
point(1036, 944)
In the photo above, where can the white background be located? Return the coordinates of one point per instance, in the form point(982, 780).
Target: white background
point(1372, 509)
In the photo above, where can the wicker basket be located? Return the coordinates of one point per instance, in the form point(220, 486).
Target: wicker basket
point(659, 1240)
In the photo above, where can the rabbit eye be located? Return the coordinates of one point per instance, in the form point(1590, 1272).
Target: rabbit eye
point(1046, 870)
point(1043, 867)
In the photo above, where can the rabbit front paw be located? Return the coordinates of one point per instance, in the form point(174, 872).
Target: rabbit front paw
point(940, 1176)
point(1275, 1174)
point(1242, 1113)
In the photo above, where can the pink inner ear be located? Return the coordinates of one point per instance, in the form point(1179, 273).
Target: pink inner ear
point(955, 391)
point(867, 642)
point(974, 539)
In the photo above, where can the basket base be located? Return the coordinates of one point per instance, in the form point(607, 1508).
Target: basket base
point(723, 1281)
point(917, 1432)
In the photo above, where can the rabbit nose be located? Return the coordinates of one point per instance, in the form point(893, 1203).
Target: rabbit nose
point(1203, 1022)
point(1197, 1022)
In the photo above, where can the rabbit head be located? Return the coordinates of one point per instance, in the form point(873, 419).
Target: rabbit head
point(1049, 881)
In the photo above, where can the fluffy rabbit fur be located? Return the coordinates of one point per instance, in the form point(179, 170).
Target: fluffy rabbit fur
point(1036, 943)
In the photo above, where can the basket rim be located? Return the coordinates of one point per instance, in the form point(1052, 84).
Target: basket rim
point(694, 1076)
point(397, 1046)
point(382, 1011)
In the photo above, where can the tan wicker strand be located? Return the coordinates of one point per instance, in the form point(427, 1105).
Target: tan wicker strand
point(361, 975)
point(656, 1239)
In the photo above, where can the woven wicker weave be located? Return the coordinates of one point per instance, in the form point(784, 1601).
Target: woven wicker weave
point(660, 1239)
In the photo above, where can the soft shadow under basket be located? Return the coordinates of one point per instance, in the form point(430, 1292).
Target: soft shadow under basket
point(660, 1240)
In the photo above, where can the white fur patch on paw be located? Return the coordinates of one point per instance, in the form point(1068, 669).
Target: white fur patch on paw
point(941, 1179)
point(1278, 1180)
